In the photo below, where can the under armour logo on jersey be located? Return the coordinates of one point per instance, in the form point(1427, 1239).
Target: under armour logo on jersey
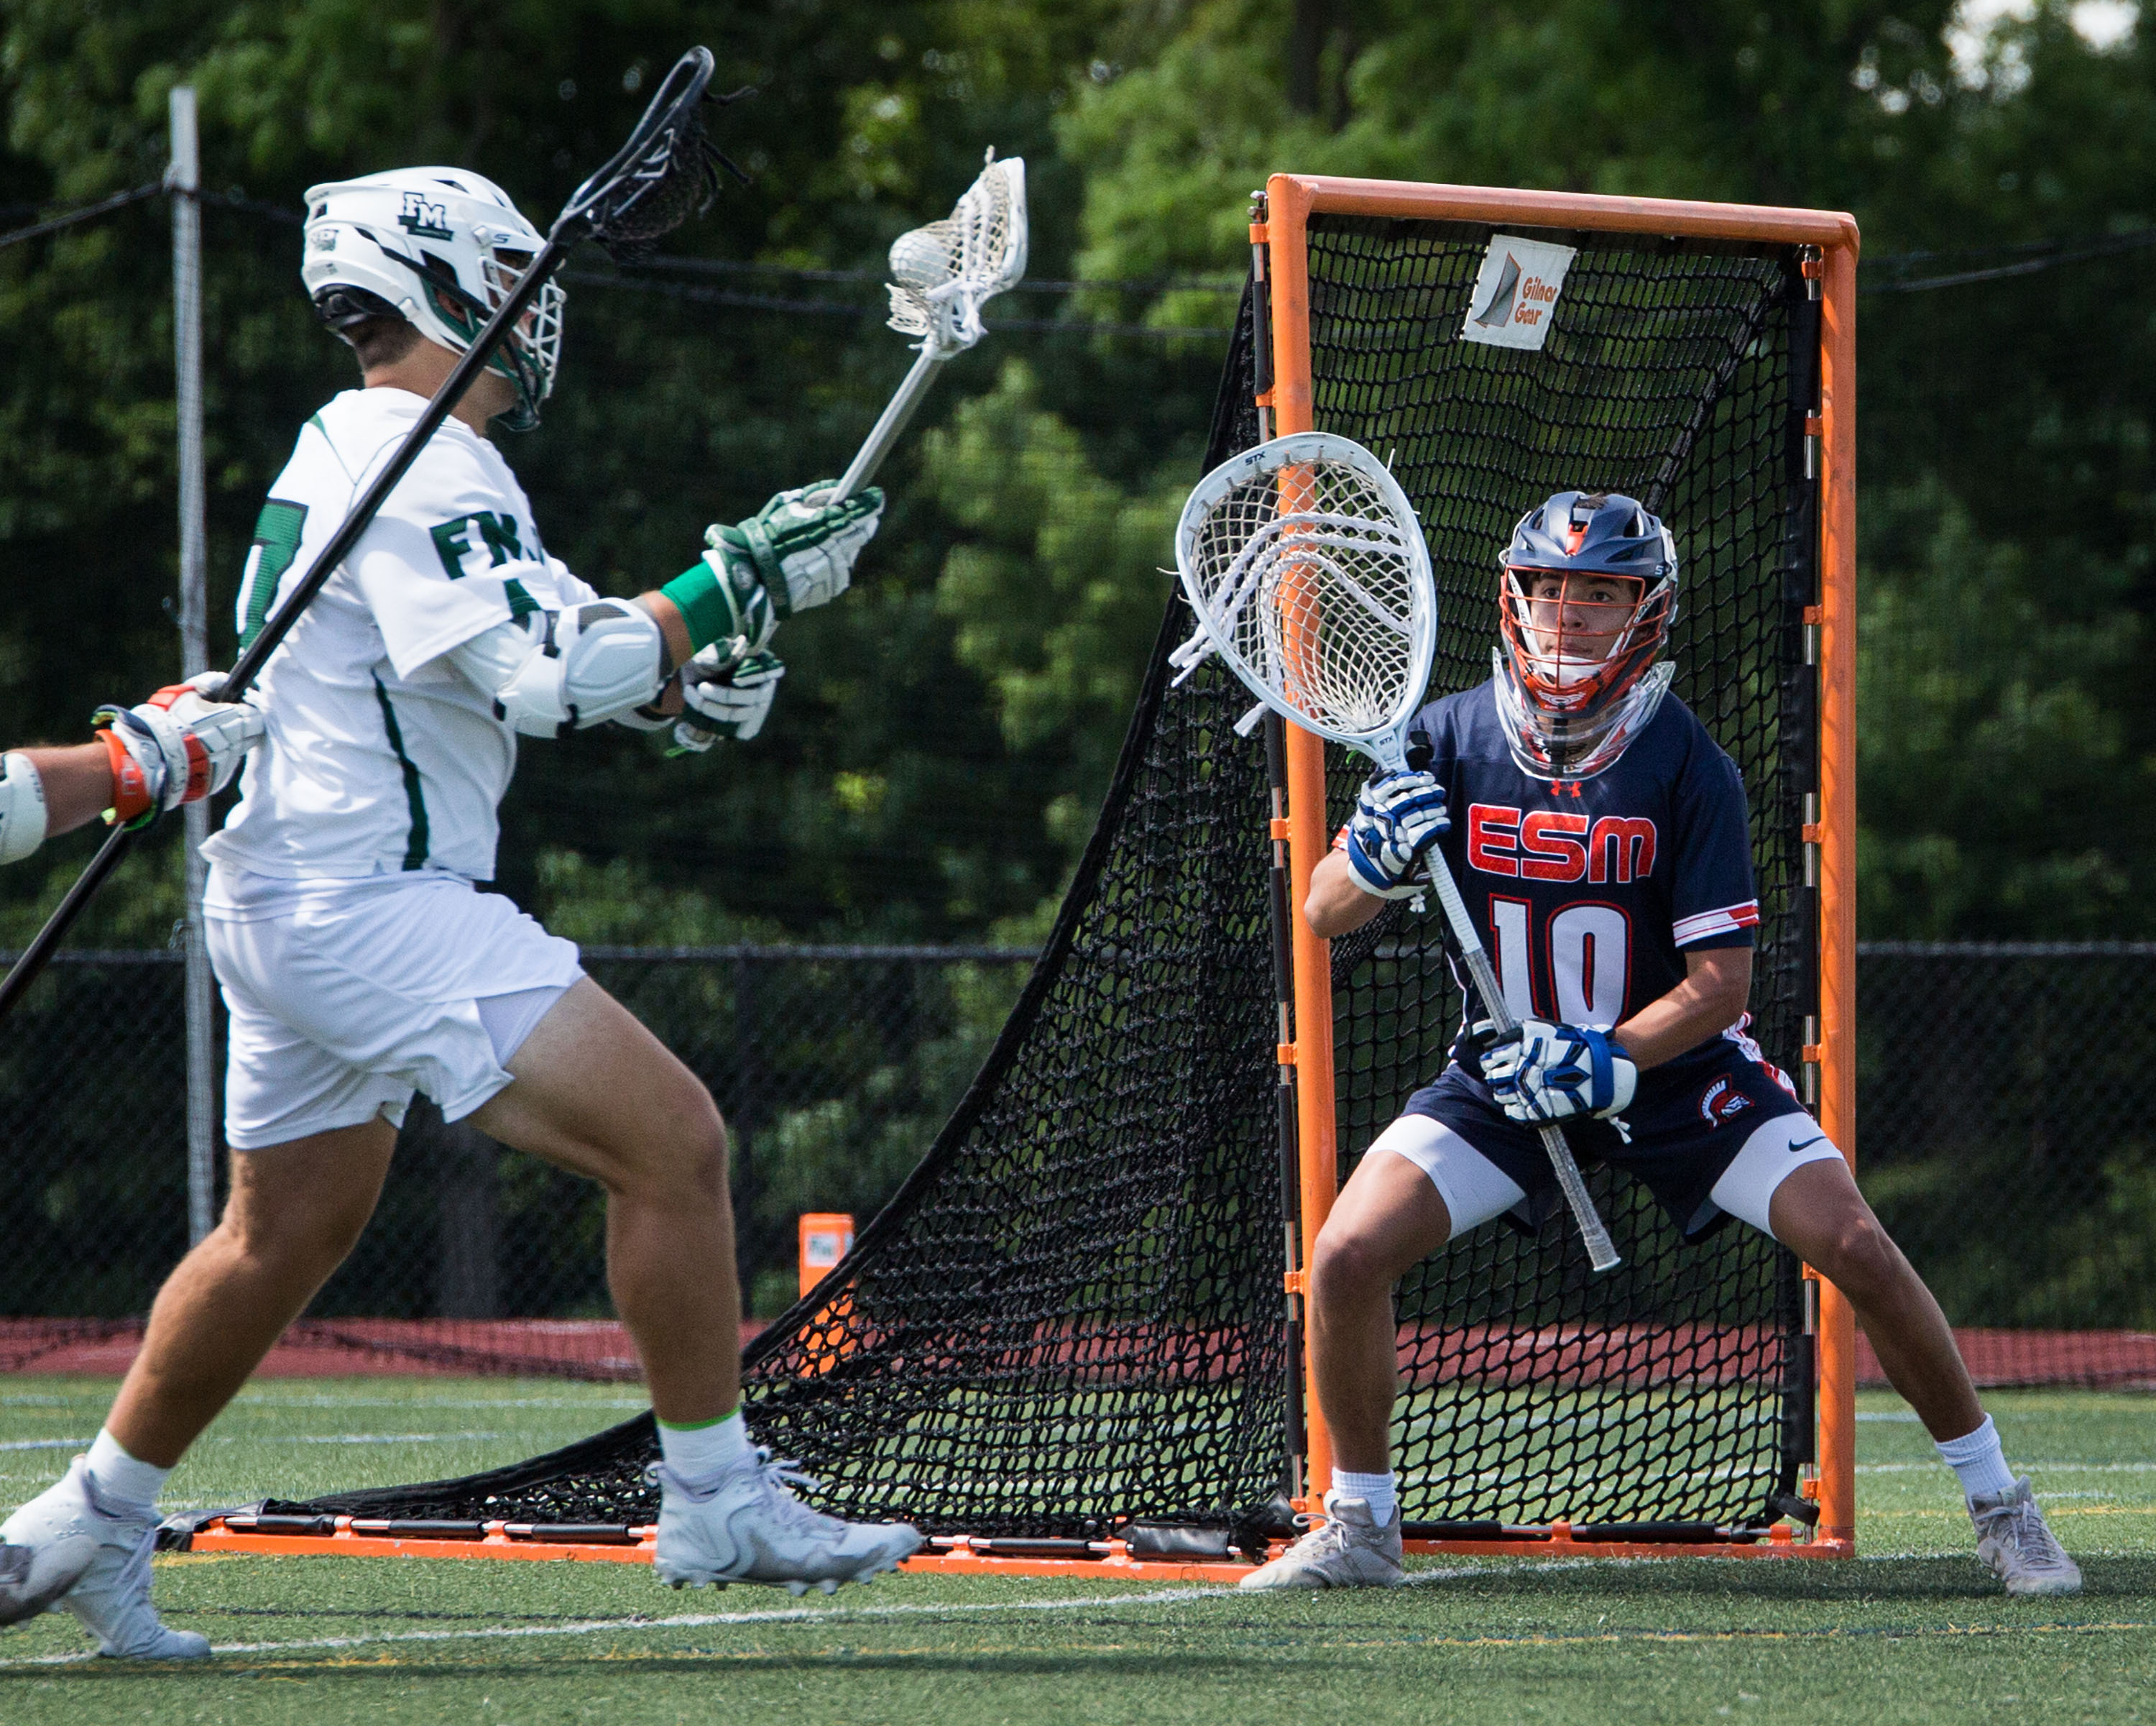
point(428, 220)
point(1721, 1101)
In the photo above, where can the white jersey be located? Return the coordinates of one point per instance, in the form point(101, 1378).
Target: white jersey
point(381, 757)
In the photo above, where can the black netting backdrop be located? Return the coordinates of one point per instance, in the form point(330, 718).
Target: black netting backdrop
point(1071, 1313)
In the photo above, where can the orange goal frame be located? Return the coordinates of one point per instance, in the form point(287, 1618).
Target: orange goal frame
point(1830, 836)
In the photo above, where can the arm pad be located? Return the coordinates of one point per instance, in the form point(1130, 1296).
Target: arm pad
point(22, 808)
point(578, 668)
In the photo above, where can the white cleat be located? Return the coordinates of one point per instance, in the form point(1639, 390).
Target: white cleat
point(741, 1525)
point(2013, 1539)
point(110, 1594)
point(1348, 1550)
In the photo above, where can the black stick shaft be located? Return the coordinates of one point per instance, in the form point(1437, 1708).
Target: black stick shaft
point(33, 958)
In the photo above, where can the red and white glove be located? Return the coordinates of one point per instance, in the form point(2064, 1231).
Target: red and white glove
point(177, 748)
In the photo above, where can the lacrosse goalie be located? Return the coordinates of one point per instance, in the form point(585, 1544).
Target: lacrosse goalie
point(360, 962)
point(1601, 842)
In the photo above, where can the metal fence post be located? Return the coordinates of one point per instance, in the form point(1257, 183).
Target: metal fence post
point(184, 178)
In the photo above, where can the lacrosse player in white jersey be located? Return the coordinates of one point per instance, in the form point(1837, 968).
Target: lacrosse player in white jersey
point(358, 960)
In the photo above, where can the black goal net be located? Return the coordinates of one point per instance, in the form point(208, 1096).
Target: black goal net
point(1071, 1316)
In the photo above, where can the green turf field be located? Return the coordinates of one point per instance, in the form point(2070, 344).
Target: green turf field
point(1914, 1630)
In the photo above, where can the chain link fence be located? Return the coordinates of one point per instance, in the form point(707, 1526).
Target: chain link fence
point(2006, 1105)
point(833, 1065)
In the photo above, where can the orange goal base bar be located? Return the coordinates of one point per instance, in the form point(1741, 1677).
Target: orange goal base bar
point(959, 1555)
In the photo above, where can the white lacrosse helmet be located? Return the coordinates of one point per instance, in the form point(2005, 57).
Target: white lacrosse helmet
point(443, 247)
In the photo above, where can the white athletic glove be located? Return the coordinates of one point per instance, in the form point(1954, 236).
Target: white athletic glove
point(1398, 817)
point(1546, 1073)
point(178, 747)
point(804, 552)
point(726, 697)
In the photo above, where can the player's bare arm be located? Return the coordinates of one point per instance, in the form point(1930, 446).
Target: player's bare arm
point(1714, 995)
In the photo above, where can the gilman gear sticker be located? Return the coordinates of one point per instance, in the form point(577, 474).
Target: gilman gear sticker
point(1516, 294)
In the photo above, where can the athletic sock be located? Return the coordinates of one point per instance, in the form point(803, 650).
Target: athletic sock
point(1979, 1461)
point(705, 1448)
point(1375, 1488)
point(127, 1480)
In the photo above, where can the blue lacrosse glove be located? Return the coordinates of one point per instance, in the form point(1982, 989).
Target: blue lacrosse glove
point(1398, 817)
point(1543, 1073)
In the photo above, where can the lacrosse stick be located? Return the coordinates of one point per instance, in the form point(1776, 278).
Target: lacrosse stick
point(941, 275)
point(1307, 570)
point(666, 172)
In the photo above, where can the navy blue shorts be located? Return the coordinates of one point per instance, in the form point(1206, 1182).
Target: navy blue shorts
point(1686, 1128)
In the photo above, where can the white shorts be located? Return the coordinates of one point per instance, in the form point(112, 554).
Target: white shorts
point(1475, 1188)
point(347, 996)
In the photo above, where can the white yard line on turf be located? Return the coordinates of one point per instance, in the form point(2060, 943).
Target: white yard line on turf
point(41, 1444)
point(784, 1614)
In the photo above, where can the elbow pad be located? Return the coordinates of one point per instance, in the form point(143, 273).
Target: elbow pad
point(22, 807)
point(589, 664)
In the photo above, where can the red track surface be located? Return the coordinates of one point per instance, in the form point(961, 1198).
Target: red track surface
point(595, 1348)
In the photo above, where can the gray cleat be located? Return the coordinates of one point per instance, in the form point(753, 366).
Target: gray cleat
point(110, 1593)
point(32, 1577)
point(742, 1524)
point(1348, 1550)
point(2013, 1539)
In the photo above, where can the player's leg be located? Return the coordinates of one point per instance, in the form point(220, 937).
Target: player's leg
point(294, 1213)
point(596, 1093)
point(1396, 1208)
point(1813, 1208)
point(1388, 1218)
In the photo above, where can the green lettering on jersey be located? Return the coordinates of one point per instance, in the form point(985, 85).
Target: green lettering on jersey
point(450, 546)
point(276, 542)
point(500, 532)
point(453, 547)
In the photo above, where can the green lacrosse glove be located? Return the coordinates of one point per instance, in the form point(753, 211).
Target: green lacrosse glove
point(725, 696)
point(805, 551)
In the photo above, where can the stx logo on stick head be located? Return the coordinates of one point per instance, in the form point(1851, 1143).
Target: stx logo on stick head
point(1547, 845)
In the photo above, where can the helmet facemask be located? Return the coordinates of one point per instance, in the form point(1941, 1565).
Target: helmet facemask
point(1577, 676)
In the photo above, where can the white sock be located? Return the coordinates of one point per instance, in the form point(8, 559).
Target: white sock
point(1377, 1488)
point(1977, 1458)
point(692, 1451)
point(122, 1477)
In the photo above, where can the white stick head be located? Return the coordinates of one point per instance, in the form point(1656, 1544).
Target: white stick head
point(1307, 570)
point(942, 273)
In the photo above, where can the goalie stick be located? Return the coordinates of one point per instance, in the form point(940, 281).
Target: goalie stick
point(941, 275)
point(1305, 563)
point(666, 172)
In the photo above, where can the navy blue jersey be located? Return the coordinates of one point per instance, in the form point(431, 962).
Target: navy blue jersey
point(1587, 894)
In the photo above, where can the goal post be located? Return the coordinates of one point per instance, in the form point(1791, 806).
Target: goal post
point(1070, 1342)
point(1825, 244)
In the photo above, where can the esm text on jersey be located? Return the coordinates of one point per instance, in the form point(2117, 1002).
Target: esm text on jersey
point(1553, 845)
